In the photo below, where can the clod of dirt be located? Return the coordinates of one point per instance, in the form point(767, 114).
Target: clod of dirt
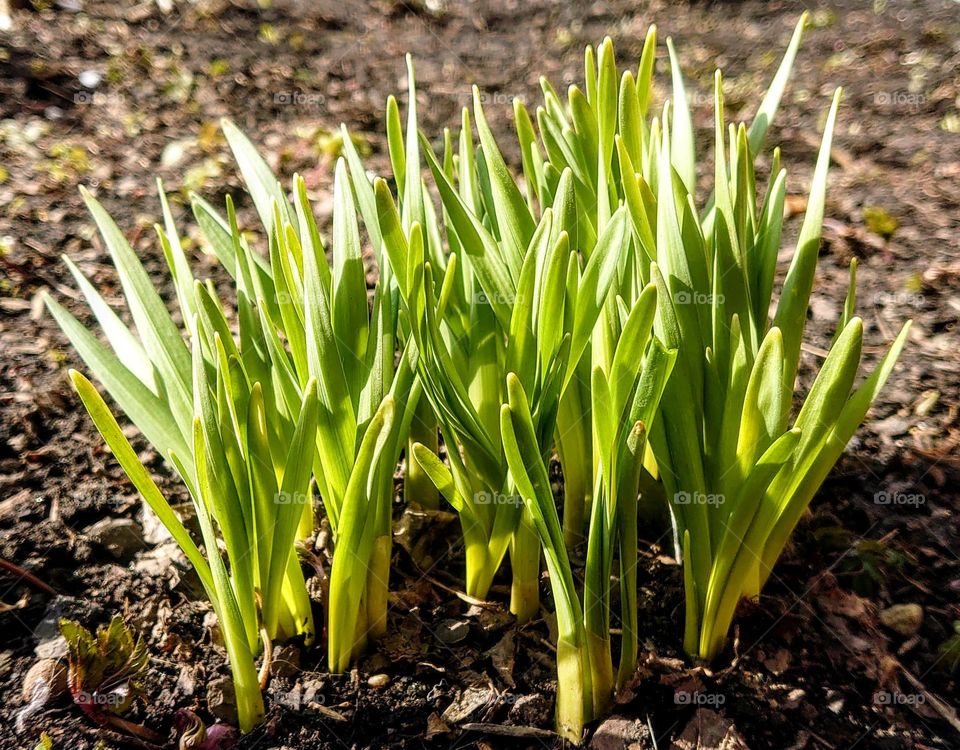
point(421, 532)
point(154, 532)
point(286, 661)
point(212, 625)
point(160, 562)
point(292, 698)
point(531, 710)
point(490, 619)
point(904, 619)
point(121, 537)
point(54, 647)
point(221, 700)
point(187, 680)
point(619, 733)
point(313, 688)
point(435, 726)
point(709, 730)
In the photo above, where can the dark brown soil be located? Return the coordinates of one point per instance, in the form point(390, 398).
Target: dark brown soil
point(812, 668)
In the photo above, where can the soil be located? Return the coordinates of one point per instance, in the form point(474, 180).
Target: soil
point(111, 95)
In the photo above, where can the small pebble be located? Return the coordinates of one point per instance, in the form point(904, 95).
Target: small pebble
point(90, 79)
point(904, 619)
point(378, 680)
point(121, 537)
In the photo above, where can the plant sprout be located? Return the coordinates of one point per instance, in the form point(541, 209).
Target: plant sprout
point(509, 298)
point(739, 472)
point(366, 399)
point(104, 673)
point(626, 397)
point(245, 422)
point(203, 408)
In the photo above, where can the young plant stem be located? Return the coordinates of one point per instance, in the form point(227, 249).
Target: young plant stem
point(596, 610)
point(574, 693)
point(246, 681)
point(627, 509)
point(527, 466)
point(305, 527)
point(525, 566)
point(417, 486)
point(360, 632)
point(627, 503)
point(297, 601)
point(378, 579)
point(479, 569)
point(574, 447)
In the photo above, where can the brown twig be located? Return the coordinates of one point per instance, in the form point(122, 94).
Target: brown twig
point(139, 731)
point(27, 577)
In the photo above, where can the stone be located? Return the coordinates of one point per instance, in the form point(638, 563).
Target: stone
point(187, 681)
point(377, 681)
point(904, 619)
point(121, 537)
point(709, 730)
point(212, 625)
point(52, 645)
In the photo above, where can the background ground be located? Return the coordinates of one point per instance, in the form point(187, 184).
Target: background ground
point(111, 95)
